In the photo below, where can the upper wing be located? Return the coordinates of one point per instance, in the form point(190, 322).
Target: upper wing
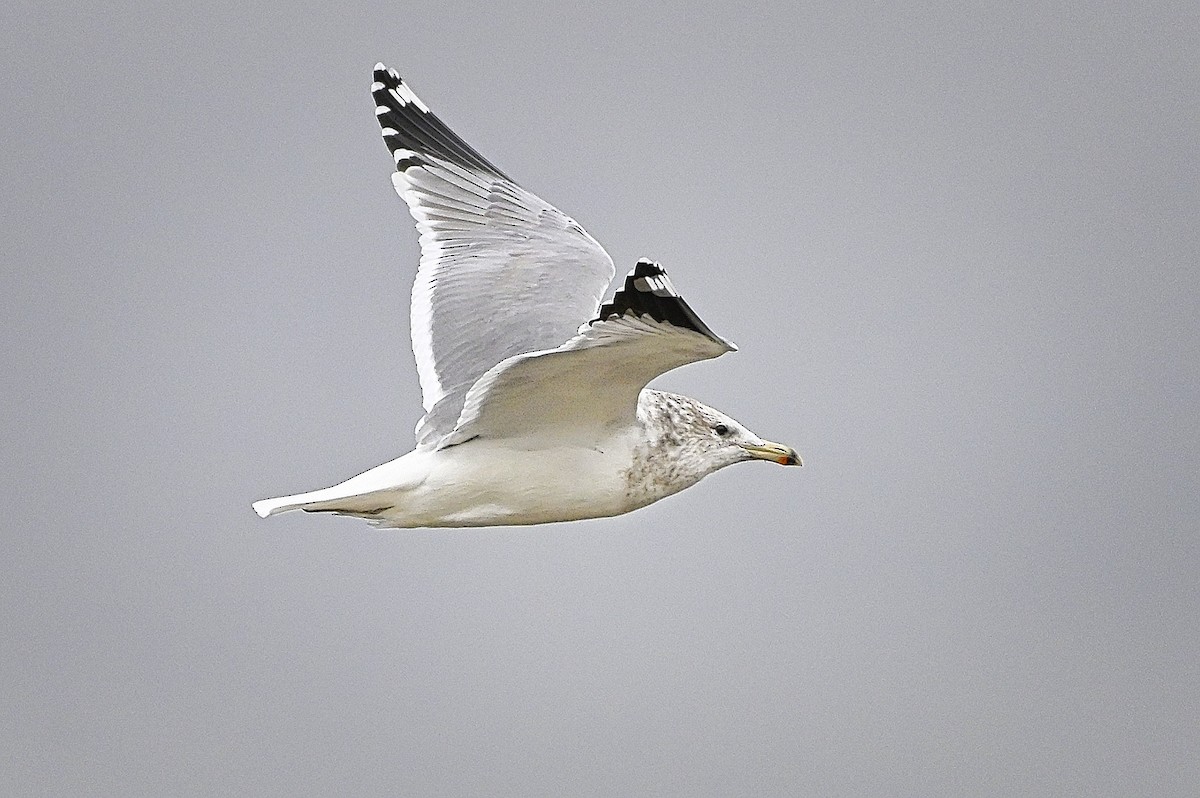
point(502, 272)
point(591, 383)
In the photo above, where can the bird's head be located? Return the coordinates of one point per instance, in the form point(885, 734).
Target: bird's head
point(700, 439)
point(727, 441)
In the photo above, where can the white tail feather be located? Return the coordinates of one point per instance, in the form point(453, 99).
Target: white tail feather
point(267, 507)
point(335, 499)
point(364, 494)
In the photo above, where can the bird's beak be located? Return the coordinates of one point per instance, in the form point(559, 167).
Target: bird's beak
point(775, 452)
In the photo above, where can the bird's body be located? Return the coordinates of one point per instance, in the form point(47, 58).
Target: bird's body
point(535, 479)
point(486, 483)
point(483, 484)
point(534, 414)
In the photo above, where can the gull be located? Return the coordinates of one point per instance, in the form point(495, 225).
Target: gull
point(535, 397)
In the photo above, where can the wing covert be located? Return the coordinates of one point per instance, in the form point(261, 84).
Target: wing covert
point(584, 387)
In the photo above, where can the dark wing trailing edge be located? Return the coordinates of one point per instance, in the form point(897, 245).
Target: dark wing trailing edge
point(648, 291)
point(410, 129)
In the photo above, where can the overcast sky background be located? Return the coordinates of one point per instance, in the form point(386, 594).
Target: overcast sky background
point(959, 250)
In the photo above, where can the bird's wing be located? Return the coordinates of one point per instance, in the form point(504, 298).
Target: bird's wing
point(502, 272)
point(590, 384)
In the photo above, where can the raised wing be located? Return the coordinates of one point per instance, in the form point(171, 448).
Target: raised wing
point(502, 272)
point(590, 384)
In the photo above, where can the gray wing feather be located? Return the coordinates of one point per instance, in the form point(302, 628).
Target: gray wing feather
point(583, 389)
point(579, 392)
point(502, 271)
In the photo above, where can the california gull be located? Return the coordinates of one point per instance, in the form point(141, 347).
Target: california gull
point(530, 417)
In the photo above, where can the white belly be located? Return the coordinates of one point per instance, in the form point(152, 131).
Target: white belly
point(481, 484)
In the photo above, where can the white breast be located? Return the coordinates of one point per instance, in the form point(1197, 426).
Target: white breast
point(481, 483)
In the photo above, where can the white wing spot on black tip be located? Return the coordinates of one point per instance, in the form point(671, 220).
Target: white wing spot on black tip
point(409, 126)
point(648, 291)
point(407, 94)
point(659, 286)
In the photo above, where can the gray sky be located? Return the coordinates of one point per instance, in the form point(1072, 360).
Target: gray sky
point(958, 248)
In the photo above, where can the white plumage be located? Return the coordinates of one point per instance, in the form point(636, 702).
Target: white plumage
point(530, 417)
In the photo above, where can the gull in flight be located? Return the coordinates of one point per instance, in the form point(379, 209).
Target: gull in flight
point(536, 405)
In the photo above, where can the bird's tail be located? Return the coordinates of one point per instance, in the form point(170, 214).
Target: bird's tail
point(327, 500)
point(366, 495)
point(266, 507)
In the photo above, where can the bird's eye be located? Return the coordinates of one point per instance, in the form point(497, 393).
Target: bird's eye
point(721, 430)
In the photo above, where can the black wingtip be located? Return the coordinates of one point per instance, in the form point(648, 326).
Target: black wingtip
point(648, 291)
point(384, 74)
point(411, 130)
